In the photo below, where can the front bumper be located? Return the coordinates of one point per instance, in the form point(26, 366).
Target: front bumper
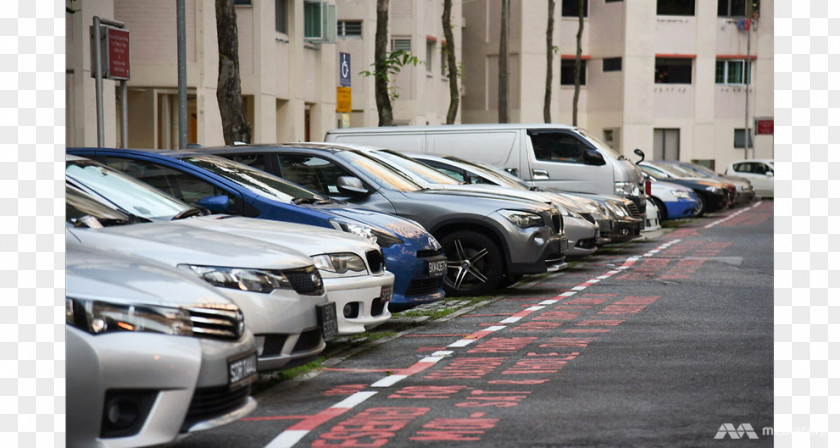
point(412, 284)
point(625, 229)
point(170, 370)
point(535, 250)
point(582, 236)
point(363, 296)
point(681, 208)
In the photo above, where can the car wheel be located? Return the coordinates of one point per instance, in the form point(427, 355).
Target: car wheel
point(474, 264)
point(663, 212)
point(701, 205)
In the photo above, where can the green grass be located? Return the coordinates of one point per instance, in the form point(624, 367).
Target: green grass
point(676, 223)
point(268, 380)
point(440, 312)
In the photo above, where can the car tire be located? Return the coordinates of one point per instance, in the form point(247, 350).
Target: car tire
point(663, 212)
point(701, 205)
point(474, 265)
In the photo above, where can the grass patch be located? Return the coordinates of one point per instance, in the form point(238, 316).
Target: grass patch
point(268, 380)
point(372, 335)
point(676, 223)
point(443, 308)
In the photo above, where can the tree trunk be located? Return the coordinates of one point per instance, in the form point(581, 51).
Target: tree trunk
point(235, 125)
point(578, 64)
point(503, 64)
point(454, 95)
point(549, 62)
point(380, 83)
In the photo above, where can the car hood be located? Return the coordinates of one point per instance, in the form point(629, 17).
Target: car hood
point(412, 232)
point(661, 185)
point(490, 201)
point(309, 240)
point(172, 244)
point(104, 275)
point(498, 191)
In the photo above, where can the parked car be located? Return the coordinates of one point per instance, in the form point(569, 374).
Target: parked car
point(744, 191)
point(580, 225)
point(152, 354)
point(486, 239)
point(412, 254)
point(352, 267)
point(673, 201)
point(551, 156)
point(711, 195)
point(652, 218)
point(626, 224)
point(759, 172)
point(280, 292)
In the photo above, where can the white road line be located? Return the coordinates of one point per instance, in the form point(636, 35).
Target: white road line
point(461, 343)
point(354, 400)
point(510, 320)
point(568, 294)
point(534, 308)
point(578, 288)
point(499, 327)
point(389, 381)
point(442, 353)
point(547, 302)
point(287, 439)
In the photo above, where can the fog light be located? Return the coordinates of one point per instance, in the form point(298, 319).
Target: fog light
point(625, 232)
point(538, 240)
point(122, 413)
point(351, 310)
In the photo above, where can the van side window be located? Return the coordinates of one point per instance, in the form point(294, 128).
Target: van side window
point(557, 147)
point(312, 172)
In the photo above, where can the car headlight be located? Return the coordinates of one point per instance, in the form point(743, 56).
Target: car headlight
point(253, 280)
point(99, 317)
point(626, 189)
point(566, 212)
point(523, 219)
point(340, 263)
point(681, 194)
point(714, 189)
point(355, 228)
point(617, 209)
point(385, 239)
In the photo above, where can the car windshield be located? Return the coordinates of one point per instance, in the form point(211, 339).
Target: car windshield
point(378, 172)
point(496, 174)
point(259, 182)
point(702, 170)
point(125, 191)
point(665, 169)
point(423, 171)
point(598, 143)
point(679, 170)
point(655, 172)
point(85, 211)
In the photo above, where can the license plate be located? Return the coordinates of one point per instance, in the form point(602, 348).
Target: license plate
point(327, 319)
point(242, 370)
point(387, 293)
point(436, 268)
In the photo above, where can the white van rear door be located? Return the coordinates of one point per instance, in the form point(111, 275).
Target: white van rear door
point(556, 162)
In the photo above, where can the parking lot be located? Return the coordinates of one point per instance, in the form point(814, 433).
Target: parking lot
point(662, 339)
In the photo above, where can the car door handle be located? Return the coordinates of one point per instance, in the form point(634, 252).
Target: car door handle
point(539, 174)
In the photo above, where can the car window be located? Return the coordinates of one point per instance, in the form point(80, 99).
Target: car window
point(423, 171)
point(458, 175)
point(184, 186)
point(379, 172)
point(759, 168)
point(253, 160)
point(655, 172)
point(83, 210)
point(314, 173)
point(557, 147)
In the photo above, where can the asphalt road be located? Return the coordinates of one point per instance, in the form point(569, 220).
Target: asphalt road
point(654, 343)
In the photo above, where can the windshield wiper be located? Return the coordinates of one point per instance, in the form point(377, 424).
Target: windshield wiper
point(192, 211)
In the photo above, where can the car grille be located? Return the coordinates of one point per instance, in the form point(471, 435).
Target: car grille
point(426, 253)
point(557, 223)
point(273, 345)
point(210, 402)
point(585, 243)
point(634, 211)
point(216, 323)
point(375, 260)
point(421, 287)
point(306, 281)
point(377, 307)
point(308, 340)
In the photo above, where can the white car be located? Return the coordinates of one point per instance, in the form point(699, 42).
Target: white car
point(352, 267)
point(152, 354)
point(279, 291)
point(759, 172)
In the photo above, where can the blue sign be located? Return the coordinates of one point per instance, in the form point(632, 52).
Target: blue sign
point(344, 69)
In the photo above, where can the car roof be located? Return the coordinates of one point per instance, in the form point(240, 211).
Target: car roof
point(159, 152)
point(72, 158)
point(268, 147)
point(467, 127)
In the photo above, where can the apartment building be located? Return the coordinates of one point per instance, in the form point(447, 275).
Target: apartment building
point(413, 25)
point(288, 72)
point(666, 76)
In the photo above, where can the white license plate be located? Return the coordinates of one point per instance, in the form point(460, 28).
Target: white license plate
point(387, 293)
point(242, 370)
point(436, 268)
point(328, 320)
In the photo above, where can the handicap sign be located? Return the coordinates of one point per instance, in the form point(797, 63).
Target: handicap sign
point(344, 69)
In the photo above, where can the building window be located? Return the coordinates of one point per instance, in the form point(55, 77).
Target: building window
point(444, 59)
point(281, 16)
point(612, 1)
point(612, 64)
point(735, 8)
point(570, 8)
point(708, 163)
point(666, 144)
point(675, 7)
point(673, 71)
point(430, 51)
point(567, 72)
point(242, 2)
point(739, 138)
point(401, 44)
point(312, 13)
point(350, 28)
point(730, 71)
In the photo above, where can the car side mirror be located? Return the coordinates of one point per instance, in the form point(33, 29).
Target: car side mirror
point(639, 153)
point(351, 185)
point(593, 157)
point(216, 204)
point(769, 173)
point(513, 171)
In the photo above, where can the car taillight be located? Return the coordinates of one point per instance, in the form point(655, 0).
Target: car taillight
point(647, 187)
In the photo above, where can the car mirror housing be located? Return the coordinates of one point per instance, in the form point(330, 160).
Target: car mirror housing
point(351, 185)
point(593, 157)
point(216, 204)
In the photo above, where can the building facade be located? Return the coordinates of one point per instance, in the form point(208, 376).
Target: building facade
point(666, 76)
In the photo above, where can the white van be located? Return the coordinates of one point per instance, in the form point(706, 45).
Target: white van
point(549, 156)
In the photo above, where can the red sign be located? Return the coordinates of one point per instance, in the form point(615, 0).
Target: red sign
point(764, 126)
point(119, 66)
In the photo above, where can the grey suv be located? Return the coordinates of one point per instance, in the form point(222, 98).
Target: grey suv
point(485, 238)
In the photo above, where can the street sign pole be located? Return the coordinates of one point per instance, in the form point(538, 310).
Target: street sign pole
point(182, 75)
point(100, 109)
point(116, 72)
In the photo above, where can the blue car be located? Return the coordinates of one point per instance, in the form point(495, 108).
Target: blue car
point(223, 186)
point(673, 201)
